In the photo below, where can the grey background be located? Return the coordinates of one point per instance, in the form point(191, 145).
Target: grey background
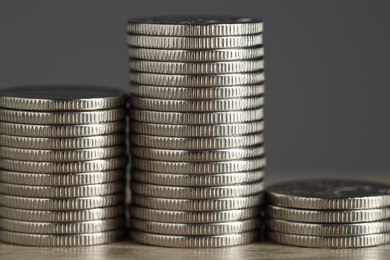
point(327, 68)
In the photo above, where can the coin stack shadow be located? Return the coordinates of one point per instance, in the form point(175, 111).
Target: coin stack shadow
point(329, 213)
point(196, 114)
point(63, 160)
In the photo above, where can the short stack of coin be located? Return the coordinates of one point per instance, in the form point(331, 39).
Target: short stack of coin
point(197, 88)
point(329, 213)
point(63, 160)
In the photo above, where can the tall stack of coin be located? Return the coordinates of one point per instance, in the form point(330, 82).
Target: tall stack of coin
point(62, 165)
point(196, 121)
point(329, 213)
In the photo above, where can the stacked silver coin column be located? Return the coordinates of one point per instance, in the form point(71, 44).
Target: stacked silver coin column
point(196, 130)
point(329, 213)
point(63, 159)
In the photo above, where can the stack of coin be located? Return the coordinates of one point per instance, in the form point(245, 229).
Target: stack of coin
point(196, 121)
point(63, 160)
point(329, 213)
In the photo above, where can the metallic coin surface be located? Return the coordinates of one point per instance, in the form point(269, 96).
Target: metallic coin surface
point(60, 98)
point(329, 242)
point(58, 179)
point(61, 240)
point(198, 205)
point(328, 230)
point(326, 216)
point(190, 180)
point(193, 241)
point(330, 194)
point(194, 217)
point(93, 226)
point(62, 117)
point(61, 155)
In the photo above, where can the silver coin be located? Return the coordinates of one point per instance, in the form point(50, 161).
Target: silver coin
point(330, 194)
point(197, 155)
point(194, 217)
point(323, 216)
point(61, 192)
point(58, 179)
point(62, 143)
point(63, 167)
point(196, 105)
point(185, 180)
point(199, 168)
point(62, 155)
point(61, 98)
point(196, 67)
point(198, 205)
point(176, 42)
point(61, 204)
point(204, 229)
point(62, 216)
point(54, 118)
point(85, 227)
point(205, 118)
point(214, 80)
point(197, 130)
point(329, 242)
point(61, 130)
point(193, 241)
point(196, 55)
point(195, 143)
point(195, 93)
point(195, 26)
point(61, 240)
point(328, 230)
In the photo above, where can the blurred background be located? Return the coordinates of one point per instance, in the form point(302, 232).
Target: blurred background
point(327, 69)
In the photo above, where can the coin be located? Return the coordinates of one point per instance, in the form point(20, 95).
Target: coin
point(206, 229)
point(61, 130)
point(323, 216)
point(196, 55)
point(220, 42)
point(330, 242)
point(58, 179)
point(93, 226)
point(63, 167)
point(202, 118)
point(196, 192)
point(205, 143)
point(198, 205)
point(330, 194)
point(216, 80)
point(61, 155)
point(61, 204)
point(61, 143)
point(199, 168)
point(61, 192)
point(195, 26)
point(193, 217)
point(332, 230)
point(196, 67)
point(193, 241)
point(61, 240)
point(197, 155)
point(60, 98)
point(196, 105)
point(53, 118)
point(62, 216)
point(197, 130)
point(183, 180)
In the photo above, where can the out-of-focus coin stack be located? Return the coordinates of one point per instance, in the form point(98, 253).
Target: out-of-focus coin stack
point(63, 160)
point(196, 121)
point(329, 213)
